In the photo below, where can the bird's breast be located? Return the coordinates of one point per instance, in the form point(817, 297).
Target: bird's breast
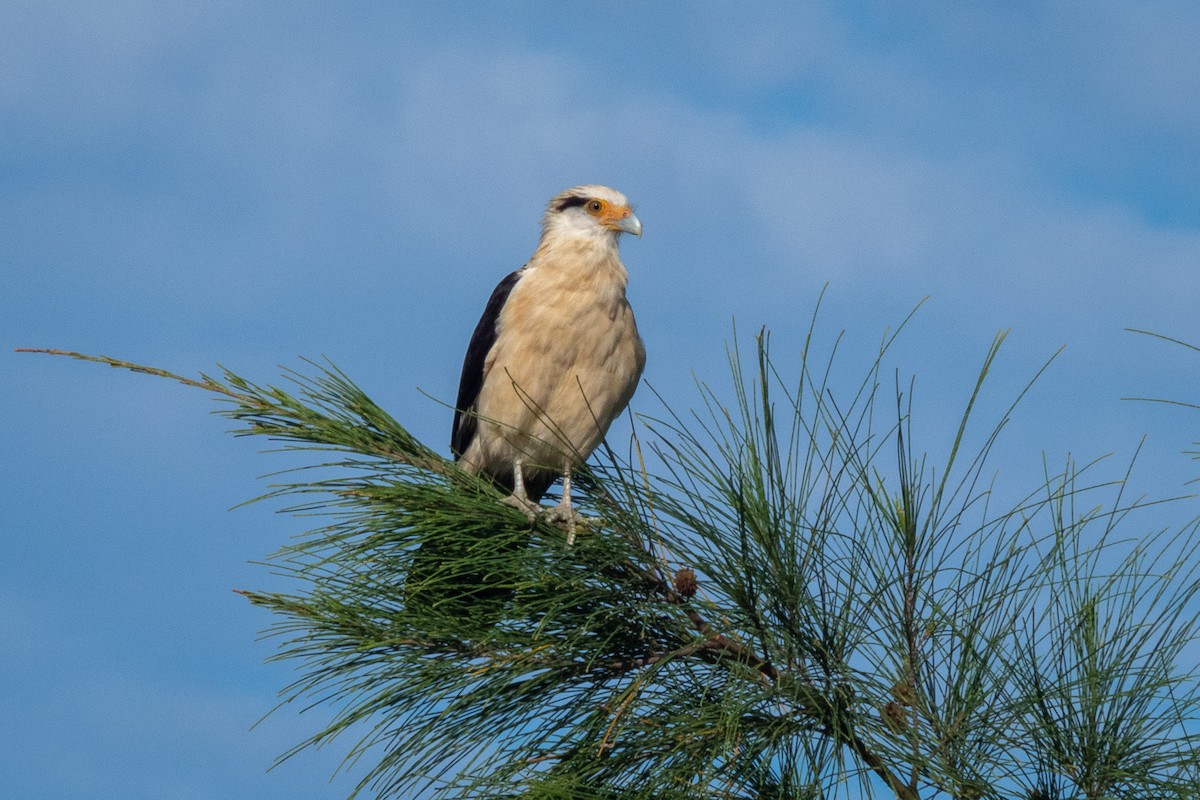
point(563, 332)
point(566, 361)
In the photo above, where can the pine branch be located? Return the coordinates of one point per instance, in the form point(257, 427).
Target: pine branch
point(797, 605)
point(338, 415)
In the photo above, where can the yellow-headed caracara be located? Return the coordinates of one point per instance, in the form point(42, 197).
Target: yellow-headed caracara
point(556, 355)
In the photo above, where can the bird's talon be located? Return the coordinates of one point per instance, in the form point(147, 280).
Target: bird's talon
point(527, 507)
point(568, 519)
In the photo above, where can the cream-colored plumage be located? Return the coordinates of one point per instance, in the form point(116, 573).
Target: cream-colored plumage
point(556, 356)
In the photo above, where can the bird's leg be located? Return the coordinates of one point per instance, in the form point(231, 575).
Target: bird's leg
point(563, 513)
point(519, 499)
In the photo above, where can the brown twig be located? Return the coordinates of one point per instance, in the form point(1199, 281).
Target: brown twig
point(438, 466)
point(207, 384)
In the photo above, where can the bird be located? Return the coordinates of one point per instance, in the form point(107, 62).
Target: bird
point(555, 357)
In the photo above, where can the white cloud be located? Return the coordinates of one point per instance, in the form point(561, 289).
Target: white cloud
point(1141, 61)
point(468, 139)
point(778, 42)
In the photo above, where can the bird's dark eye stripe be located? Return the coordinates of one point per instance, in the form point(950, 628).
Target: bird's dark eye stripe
point(571, 202)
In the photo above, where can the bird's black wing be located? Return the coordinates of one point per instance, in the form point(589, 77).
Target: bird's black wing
point(471, 382)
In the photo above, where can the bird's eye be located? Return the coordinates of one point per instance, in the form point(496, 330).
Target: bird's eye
point(595, 206)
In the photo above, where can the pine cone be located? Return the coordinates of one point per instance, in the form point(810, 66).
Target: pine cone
point(904, 694)
point(685, 582)
point(894, 716)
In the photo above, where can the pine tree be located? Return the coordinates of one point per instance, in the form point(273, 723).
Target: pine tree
point(792, 604)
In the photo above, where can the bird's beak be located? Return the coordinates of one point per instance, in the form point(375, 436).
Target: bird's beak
point(629, 224)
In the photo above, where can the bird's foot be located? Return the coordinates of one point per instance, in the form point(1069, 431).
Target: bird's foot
point(523, 504)
point(567, 518)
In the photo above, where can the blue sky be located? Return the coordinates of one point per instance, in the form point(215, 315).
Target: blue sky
point(183, 184)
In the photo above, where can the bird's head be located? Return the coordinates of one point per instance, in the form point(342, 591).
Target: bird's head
point(590, 212)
